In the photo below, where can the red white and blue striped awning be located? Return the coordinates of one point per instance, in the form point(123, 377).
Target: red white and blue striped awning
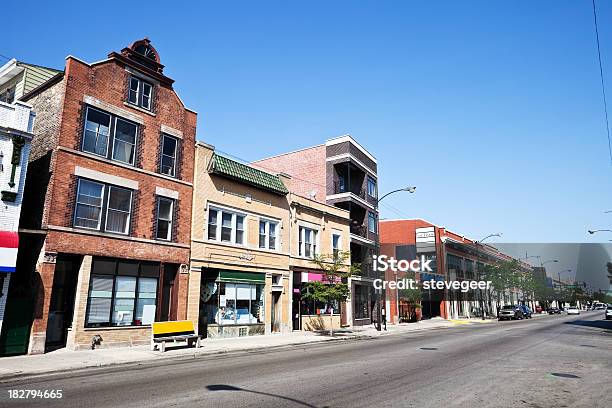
point(9, 243)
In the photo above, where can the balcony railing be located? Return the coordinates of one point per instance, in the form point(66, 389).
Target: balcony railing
point(16, 116)
point(360, 230)
point(342, 188)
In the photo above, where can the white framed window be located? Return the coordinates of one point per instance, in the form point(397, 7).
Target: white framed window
point(97, 131)
point(118, 210)
point(102, 207)
point(88, 210)
point(268, 234)
point(336, 244)
point(168, 155)
point(226, 226)
point(109, 136)
point(140, 93)
point(308, 240)
point(165, 211)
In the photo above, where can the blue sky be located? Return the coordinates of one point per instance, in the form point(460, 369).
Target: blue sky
point(491, 108)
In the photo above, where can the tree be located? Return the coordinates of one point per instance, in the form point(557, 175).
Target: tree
point(333, 287)
point(412, 297)
point(503, 276)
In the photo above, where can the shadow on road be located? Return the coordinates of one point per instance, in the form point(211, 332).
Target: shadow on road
point(600, 324)
point(225, 387)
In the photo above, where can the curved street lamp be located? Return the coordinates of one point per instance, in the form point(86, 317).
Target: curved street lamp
point(599, 230)
point(499, 234)
point(409, 189)
point(549, 261)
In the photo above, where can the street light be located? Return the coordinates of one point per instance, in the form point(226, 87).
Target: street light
point(409, 189)
point(499, 234)
point(559, 276)
point(482, 301)
point(549, 261)
point(599, 230)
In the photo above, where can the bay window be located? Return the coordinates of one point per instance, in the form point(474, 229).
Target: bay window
point(109, 136)
point(226, 226)
point(268, 234)
point(93, 211)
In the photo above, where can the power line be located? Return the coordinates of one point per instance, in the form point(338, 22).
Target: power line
point(603, 88)
point(5, 57)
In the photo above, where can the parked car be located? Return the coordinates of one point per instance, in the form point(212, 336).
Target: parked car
point(526, 311)
point(600, 306)
point(510, 312)
point(554, 310)
point(573, 310)
point(609, 312)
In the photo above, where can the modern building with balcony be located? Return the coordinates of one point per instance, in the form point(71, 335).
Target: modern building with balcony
point(341, 172)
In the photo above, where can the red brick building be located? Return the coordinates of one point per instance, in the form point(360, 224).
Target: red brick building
point(454, 257)
point(106, 223)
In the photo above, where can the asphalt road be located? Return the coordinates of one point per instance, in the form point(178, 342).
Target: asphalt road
point(555, 361)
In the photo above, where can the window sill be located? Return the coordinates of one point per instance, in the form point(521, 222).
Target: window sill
point(138, 108)
point(105, 328)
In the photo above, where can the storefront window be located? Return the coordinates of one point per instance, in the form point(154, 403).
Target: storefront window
point(310, 307)
point(233, 303)
point(121, 293)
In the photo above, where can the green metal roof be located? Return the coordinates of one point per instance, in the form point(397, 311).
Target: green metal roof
point(246, 174)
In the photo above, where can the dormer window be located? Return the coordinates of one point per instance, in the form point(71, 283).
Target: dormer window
point(140, 93)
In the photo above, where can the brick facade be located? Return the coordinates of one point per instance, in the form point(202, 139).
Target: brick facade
point(57, 157)
point(307, 169)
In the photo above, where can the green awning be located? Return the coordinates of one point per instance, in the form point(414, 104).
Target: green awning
point(223, 275)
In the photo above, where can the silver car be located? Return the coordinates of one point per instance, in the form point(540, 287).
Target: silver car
point(609, 312)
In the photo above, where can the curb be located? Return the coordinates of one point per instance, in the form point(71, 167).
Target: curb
point(178, 358)
point(186, 357)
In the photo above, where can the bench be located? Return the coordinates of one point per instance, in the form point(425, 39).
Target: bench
point(174, 332)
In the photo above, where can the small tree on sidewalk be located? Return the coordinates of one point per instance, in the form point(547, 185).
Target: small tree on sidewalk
point(333, 287)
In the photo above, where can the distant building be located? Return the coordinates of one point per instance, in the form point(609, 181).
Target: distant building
point(453, 256)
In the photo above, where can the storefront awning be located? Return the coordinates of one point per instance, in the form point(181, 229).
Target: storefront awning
point(224, 275)
point(9, 243)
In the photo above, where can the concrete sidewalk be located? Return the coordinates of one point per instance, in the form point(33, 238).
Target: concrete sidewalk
point(65, 360)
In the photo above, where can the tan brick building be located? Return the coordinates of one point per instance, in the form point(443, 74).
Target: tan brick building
point(240, 246)
point(315, 228)
point(105, 232)
point(248, 244)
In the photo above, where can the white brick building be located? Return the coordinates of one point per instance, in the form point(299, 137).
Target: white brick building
point(16, 122)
